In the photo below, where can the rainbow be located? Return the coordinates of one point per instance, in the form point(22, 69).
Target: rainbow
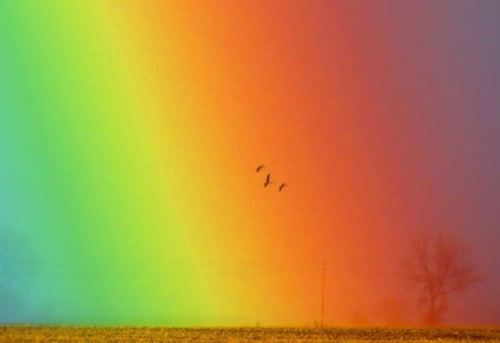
point(129, 136)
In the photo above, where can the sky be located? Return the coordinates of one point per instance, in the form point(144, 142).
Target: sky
point(130, 133)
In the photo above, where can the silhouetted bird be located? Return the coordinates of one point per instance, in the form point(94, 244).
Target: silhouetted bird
point(268, 180)
point(283, 185)
point(260, 167)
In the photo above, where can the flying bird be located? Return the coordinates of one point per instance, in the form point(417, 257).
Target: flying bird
point(260, 167)
point(268, 180)
point(283, 185)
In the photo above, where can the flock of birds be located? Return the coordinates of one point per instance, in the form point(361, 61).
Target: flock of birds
point(268, 181)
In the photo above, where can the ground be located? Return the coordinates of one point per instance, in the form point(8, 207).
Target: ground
point(86, 334)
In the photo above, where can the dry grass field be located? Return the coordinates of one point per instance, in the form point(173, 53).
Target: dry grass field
point(86, 334)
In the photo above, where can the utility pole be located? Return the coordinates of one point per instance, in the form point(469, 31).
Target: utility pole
point(323, 277)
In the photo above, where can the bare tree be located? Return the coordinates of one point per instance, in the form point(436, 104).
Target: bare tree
point(439, 267)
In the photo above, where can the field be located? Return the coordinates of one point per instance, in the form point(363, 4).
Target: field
point(87, 334)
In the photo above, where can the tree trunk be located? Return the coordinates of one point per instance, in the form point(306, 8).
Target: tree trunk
point(431, 317)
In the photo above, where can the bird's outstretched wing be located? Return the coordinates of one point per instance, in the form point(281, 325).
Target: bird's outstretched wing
point(259, 168)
